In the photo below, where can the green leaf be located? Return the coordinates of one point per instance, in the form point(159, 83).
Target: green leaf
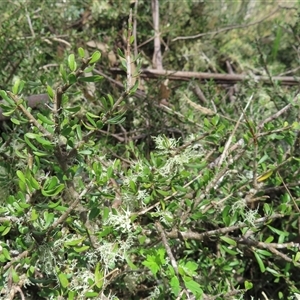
point(21, 176)
point(120, 53)
point(18, 86)
point(15, 276)
point(152, 265)
point(63, 280)
point(193, 286)
point(63, 73)
point(34, 183)
point(132, 185)
point(44, 119)
point(297, 257)
point(175, 286)
point(95, 57)
point(81, 249)
point(94, 78)
point(72, 78)
point(29, 143)
point(228, 240)
point(3, 95)
point(34, 215)
point(98, 276)
point(91, 294)
point(134, 88)
point(73, 242)
point(48, 217)
point(78, 131)
point(50, 91)
point(72, 62)
point(260, 262)
point(15, 121)
point(6, 230)
point(163, 193)
point(248, 285)
point(180, 188)
point(81, 52)
point(6, 254)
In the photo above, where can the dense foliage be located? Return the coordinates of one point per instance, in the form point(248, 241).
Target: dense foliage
point(125, 186)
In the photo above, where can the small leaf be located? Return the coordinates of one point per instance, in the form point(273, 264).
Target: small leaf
point(228, 240)
point(15, 276)
point(44, 119)
point(133, 186)
point(248, 285)
point(95, 57)
point(63, 280)
point(3, 95)
point(297, 257)
point(260, 262)
point(73, 242)
point(193, 286)
point(15, 88)
point(6, 230)
point(72, 78)
point(50, 91)
point(120, 53)
point(91, 294)
point(81, 52)
point(81, 249)
point(78, 131)
point(264, 176)
point(98, 276)
point(93, 78)
point(175, 286)
point(72, 62)
point(63, 73)
point(15, 121)
point(21, 176)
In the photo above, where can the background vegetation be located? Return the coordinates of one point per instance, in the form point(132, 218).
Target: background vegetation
point(129, 185)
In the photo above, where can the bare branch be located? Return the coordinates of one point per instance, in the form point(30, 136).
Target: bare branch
point(218, 77)
point(157, 57)
point(225, 29)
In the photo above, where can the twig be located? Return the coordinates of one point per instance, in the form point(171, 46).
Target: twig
point(227, 145)
point(200, 94)
point(76, 199)
point(29, 116)
point(218, 77)
point(135, 28)
point(277, 114)
point(167, 247)
point(175, 233)
point(30, 24)
point(157, 57)
point(226, 28)
point(128, 54)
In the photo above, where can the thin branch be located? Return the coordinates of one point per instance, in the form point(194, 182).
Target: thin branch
point(128, 55)
point(157, 57)
point(135, 28)
point(226, 28)
point(167, 247)
point(218, 77)
point(29, 116)
point(175, 233)
point(277, 114)
point(227, 145)
point(76, 199)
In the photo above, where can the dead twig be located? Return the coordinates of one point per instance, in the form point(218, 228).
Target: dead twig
point(226, 28)
point(157, 57)
point(217, 77)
